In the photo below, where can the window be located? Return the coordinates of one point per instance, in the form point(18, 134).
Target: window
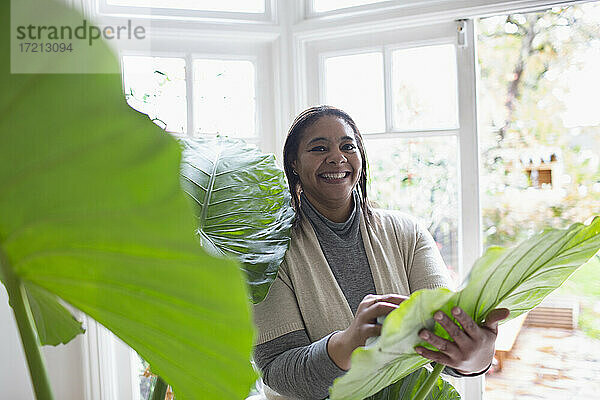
point(342, 85)
point(419, 176)
point(540, 135)
point(329, 5)
point(224, 97)
point(248, 12)
point(424, 88)
point(403, 97)
point(248, 6)
point(156, 86)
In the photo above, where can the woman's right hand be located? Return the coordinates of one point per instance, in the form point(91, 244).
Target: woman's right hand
point(341, 344)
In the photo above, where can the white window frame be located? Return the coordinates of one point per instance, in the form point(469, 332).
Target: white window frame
point(317, 50)
point(259, 53)
point(383, 6)
point(269, 16)
point(108, 364)
point(386, 51)
point(283, 41)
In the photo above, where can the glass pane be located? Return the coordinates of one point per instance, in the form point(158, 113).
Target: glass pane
point(146, 379)
point(224, 97)
point(156, 86)
point(328, 5)
point(249, 6)
point(355, 84)
point(419, 177)
point(424, 88)
point(540, 140)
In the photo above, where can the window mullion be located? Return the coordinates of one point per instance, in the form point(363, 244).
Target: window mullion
point(469, 207)
point(189, 94)
point(387, 81)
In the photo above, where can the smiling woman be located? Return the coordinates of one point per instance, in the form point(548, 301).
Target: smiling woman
point(328, 161)
point(347, 265)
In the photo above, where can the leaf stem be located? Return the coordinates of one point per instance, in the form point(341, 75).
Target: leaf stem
point(17, 298)
point(428, 384)
point(160, 389)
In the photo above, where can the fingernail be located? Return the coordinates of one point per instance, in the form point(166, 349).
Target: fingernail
point(438, 315)
point(418, 350)
point(425, 335)
point(456, 311)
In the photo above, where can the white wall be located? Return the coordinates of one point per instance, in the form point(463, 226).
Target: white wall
point(64, 362)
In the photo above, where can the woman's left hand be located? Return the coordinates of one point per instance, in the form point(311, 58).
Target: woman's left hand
point(473, 348)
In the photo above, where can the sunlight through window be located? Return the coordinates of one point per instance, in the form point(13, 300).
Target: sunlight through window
point(224, 97)
point(156, 86)
point(354, 83)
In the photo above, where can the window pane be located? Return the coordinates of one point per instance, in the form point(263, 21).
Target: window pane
point(424, 88)
point(249, 6)
point(355, 84)
point(539, 139)
point(156, 86)
point(224, 97)
point(146, 380)
point(419, 177)
point(328, 5)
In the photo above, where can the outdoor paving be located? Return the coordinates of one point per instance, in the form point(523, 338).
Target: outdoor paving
point(550, 364)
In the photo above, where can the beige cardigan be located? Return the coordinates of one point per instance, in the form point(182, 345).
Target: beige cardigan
point(403, 258)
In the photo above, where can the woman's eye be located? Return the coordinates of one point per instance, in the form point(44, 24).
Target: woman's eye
point(348, 146)
point(318, 148)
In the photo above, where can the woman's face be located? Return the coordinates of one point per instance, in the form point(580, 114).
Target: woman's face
point(328, 162)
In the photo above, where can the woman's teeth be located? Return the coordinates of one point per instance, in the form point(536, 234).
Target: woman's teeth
point(338, 175)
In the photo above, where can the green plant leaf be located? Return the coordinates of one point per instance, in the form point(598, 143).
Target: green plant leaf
point(407, 388)
point(517, 278)
point(391, 357)
point(520, 278)
point(54, 323)
point(92, 211)
point(242, 205)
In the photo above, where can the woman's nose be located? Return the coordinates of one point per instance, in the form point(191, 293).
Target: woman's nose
point(336, 157)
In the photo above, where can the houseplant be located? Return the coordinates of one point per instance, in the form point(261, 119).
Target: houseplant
point(91, 212)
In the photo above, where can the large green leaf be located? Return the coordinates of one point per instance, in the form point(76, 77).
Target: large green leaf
point(520, 278)
point(54, 323)
point(391, 357)
point(517, 278)
point(242, 205)
point(92, 211)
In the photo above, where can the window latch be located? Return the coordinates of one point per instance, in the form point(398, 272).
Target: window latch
point(461, 31)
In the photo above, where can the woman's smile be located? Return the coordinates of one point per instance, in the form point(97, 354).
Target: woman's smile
point(335, 177)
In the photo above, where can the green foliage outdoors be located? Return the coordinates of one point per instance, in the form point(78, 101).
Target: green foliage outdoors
point(92, 212)
point(517, 279)
point(526, 62)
